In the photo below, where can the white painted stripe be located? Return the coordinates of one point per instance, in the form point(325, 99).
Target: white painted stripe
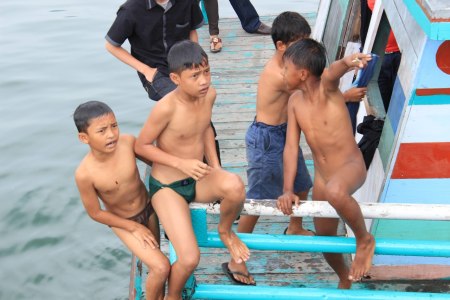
point(321, 20)
point(427, 123)
point(322, 209)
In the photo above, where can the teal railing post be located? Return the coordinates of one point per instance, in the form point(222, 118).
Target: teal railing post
point(199, 225)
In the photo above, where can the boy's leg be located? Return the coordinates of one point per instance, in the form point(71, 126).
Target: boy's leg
point(154, 259)
point(296, 223)
point(338, 191)
point(175, 217)
point(246, 225)
point(302, 185)
point(328, 227)
point(229, 189)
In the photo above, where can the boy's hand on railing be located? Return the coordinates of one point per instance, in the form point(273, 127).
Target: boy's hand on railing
point(284, 202)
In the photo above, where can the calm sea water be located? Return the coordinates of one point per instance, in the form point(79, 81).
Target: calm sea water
point(52, 58)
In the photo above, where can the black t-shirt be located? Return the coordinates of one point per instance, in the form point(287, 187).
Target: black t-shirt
point(151, 30)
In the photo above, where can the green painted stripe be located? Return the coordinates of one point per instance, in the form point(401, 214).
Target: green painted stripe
point(386, 142)
point(412, 229)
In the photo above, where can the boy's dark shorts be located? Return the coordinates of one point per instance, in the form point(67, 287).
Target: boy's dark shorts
point(265, 144)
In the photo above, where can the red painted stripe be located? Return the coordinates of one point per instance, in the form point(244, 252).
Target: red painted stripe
point(433, 91)
point(422, 160)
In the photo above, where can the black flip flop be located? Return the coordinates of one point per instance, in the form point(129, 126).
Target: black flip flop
point(230, 274)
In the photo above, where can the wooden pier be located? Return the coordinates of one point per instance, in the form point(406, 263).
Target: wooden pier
point(235, 72)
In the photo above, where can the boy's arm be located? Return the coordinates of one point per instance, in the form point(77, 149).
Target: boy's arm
point(193, 36)
point(92, 206)
point(123, 55)
point(331, 76)
point(290, 159)
point(354, 94)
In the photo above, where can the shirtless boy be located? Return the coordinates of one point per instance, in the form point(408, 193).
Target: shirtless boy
point(109, 173)
point(180, 125)
point(265, 163)
point(318, 109)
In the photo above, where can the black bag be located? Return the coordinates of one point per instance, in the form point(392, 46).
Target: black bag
point(371, 129)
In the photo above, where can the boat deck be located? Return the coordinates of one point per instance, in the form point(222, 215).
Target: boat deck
point(235, 71)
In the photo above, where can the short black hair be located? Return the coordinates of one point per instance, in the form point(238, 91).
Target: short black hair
point(186, 55)
point(308, 54)
point(87, 111)
point(289, 26)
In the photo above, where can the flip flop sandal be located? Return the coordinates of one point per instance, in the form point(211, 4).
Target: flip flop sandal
point(214, 41)
point(230, 274)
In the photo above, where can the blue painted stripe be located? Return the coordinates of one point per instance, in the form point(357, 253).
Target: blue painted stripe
point(429, 100)
point(396, 105)
point(434, 30)
point(392, 260)
point(418, 191)
point(427, 124)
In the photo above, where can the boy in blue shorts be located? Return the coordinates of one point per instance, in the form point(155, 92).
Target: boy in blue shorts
point(266, 137)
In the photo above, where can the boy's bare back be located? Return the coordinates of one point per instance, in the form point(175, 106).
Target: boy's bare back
point(272, 95)
point(115, 180)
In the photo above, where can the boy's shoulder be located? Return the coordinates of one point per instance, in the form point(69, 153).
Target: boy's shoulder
point(82, 173)
point(272, 71)
point(127, 138)
point(295, 97)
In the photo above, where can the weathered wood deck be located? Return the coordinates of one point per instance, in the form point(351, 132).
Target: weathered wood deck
point(235, 73)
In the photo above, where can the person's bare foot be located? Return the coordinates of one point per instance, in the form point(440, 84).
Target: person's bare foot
point(345, 284)
point(298, 231)
point(365, 248)
point(238, 250)
point(236, 268)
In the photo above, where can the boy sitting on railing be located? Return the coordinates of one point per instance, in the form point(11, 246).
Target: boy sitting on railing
point(318, 108)
point(109, 172)
point(180, 125)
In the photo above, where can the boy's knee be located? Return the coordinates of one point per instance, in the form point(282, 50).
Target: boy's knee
point(189, 261)
point(336, 194)
point(162, 269)
point(234, 187)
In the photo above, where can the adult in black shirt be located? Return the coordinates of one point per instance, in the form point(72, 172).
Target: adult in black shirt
point(152, 27)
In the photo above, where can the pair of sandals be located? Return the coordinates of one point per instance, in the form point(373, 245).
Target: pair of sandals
point(215, 44)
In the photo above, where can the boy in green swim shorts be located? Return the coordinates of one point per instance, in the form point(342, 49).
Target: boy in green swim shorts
point(176, 137)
